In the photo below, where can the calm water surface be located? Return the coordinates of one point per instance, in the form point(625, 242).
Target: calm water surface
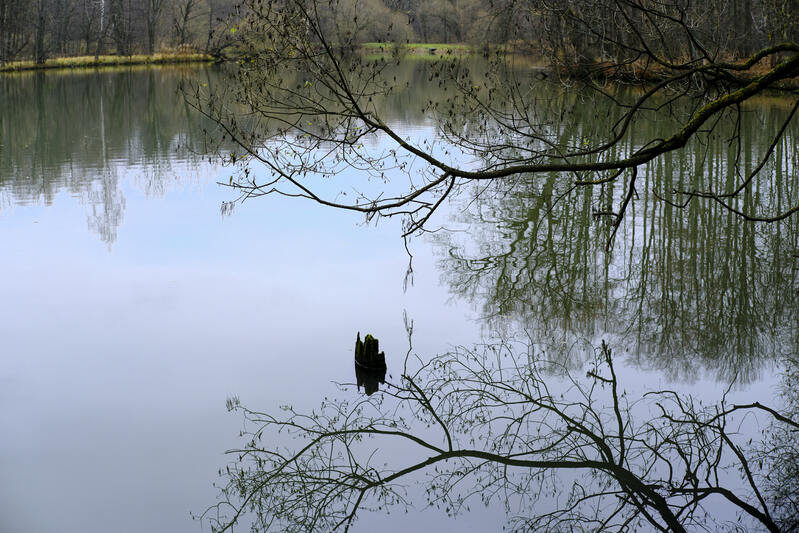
point(130, 309)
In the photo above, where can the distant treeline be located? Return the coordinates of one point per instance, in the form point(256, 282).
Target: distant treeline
point(38, 29)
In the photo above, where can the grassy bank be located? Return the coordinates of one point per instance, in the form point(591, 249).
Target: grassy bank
point(420, 50)
point(105, 61)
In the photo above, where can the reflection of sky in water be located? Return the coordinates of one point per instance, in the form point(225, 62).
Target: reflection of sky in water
point(117, 364)
point(118, 355)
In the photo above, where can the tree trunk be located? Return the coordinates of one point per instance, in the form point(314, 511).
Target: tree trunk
point(153, 13)
point(40, 54)
point(98, 49)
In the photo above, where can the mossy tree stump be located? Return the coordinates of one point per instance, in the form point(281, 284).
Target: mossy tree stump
point(370, 364)
point(367, 354)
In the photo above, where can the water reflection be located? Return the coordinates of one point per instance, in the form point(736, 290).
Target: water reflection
point(188, 307)
point(83, 132)
point(780, 454)
point(369, 378)
point(500, 424)
point(88, 133)
point(682, 289)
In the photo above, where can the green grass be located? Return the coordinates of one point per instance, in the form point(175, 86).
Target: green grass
point(422, 51)
point(104, 61)
point(439, 48)
point(377, 46)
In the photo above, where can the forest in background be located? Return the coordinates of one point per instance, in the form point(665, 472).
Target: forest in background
point(40, 29)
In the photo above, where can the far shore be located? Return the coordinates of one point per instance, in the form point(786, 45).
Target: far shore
point(369, 50)
point(105, 61)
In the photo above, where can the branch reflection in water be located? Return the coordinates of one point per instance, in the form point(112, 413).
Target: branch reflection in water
point(684, 290)
point(502, 422)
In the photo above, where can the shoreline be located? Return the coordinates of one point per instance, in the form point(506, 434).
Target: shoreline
point(369, 50)
point(67, 63)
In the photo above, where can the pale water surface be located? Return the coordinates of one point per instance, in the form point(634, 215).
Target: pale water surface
point(130, 308)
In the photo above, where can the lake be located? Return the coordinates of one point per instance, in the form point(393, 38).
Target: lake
point(131, 308)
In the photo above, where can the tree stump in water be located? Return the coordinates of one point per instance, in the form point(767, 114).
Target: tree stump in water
point(366, 353)
point(370, 365)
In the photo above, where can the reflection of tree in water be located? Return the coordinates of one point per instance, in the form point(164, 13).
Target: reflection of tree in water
point(81, 133)
point(88, 133)
point(684, 288)
point(107, 205)
point(780, 454)
point(562, 451)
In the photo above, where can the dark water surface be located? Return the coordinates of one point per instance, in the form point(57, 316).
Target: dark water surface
point(130, 309)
